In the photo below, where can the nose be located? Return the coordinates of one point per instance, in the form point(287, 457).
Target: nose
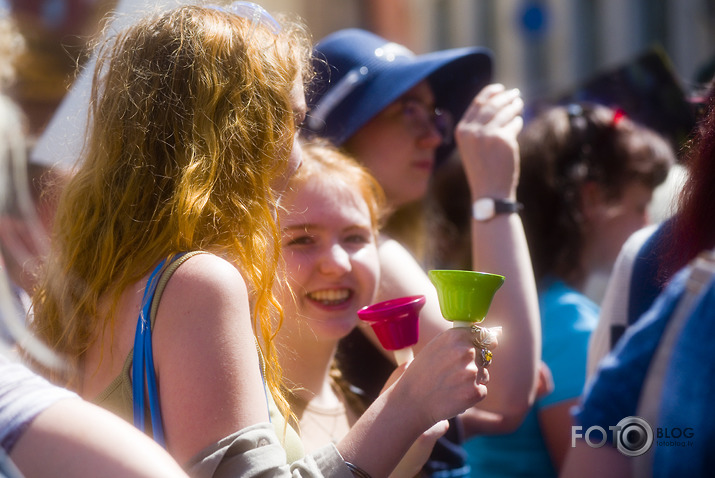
point(431, 138)
point(335, 261)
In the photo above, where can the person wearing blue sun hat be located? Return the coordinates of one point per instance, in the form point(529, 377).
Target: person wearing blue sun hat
point(359, 74)
point(401, 115)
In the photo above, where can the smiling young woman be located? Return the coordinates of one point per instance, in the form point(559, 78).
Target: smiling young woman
point(329, 217)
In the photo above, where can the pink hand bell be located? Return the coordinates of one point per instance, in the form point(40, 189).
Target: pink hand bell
point(396, 324)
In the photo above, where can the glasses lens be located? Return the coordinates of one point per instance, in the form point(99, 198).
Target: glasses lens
point(421, 119)
point(444, 122)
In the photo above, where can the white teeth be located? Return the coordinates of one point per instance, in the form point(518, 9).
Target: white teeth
point(330, 296)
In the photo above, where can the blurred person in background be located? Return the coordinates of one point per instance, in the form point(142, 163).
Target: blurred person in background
point(588, 175)
point(662, 367)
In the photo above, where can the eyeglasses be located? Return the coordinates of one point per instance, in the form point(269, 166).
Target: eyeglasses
point(420, 118)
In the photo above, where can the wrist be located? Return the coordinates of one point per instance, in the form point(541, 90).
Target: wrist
point(357, 471)
point(487, 208)
point(416, 418)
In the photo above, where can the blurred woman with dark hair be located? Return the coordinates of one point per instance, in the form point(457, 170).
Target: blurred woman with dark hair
point(677, 325)
point(587, 176)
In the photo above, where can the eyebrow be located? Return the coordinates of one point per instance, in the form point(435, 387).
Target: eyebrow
point(307, 226)
point(301, 227)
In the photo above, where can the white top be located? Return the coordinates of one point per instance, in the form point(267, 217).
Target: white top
point(614, 307)
point(23, 396)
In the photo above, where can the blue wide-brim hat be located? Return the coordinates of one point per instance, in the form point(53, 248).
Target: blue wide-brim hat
point(358, 74)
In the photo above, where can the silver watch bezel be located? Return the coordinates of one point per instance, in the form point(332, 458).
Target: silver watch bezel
point(484, 209)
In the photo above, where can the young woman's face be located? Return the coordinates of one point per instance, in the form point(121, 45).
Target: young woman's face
point(330, 257)
point(616, 220)
point(399, 144)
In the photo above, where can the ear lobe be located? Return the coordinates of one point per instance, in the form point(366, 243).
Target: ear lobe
point(593, 201)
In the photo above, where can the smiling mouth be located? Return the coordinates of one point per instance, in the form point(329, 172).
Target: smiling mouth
point(330, 296)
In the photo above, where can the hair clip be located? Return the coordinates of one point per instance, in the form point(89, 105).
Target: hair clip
point(577, 116)
point(618, 115)
point(574, 110)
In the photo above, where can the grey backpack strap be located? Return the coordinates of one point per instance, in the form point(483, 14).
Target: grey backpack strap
point(701, 273)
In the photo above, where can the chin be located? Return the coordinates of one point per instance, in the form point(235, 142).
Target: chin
point(335, 331)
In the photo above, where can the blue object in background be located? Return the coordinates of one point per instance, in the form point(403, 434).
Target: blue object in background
point(533, 18)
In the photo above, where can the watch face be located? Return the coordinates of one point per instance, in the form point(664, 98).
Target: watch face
point(483, 209)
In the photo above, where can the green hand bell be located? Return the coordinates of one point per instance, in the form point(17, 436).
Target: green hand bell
point(465, 296)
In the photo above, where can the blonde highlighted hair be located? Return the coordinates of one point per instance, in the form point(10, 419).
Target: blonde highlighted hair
point(191, 120)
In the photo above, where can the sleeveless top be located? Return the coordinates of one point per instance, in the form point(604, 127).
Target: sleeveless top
point(117, 397)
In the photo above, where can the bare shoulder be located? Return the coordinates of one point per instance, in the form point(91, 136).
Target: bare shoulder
point(204, 286)
point(205, 355)
point(206, 280)
point(207, 273)
point(401, 275)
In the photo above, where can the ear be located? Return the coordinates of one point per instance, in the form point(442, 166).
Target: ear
point(593, 201)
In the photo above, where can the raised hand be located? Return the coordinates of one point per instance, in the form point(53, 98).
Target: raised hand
point(486, 137)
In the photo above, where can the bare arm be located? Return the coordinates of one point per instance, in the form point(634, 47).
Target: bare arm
point(420, 451)
point(586, 462)
point(555, 423)
point(205, 355)
point(487, 140)
point(480, 422)
point(75, 438)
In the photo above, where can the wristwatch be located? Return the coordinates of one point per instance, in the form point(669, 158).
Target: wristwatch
point(485, 209)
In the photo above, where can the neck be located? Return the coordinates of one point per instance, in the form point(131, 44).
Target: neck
point(306, 365)
point(591, 262)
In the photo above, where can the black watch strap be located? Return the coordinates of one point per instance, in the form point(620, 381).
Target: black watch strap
point(504, 206)
point(485, 209)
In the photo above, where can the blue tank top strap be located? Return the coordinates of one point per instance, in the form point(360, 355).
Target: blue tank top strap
point(143, 357)
point(143, 372)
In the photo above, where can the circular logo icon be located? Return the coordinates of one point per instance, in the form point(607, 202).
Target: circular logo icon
point(634, 436)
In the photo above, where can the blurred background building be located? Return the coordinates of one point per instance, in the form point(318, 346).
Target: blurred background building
point(541, 46)
point(544, 47)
